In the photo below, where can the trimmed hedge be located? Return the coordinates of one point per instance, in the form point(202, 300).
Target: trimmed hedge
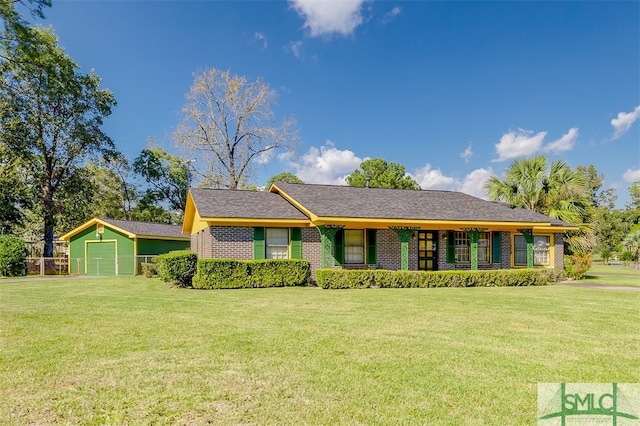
point(177, 267)
point(228, 273)
point(341, 278)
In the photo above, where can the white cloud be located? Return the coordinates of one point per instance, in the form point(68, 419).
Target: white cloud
point(624, 121)
point(295, 48)
point(631, 175)
point(473, 183)
point(430, 178)
point(261, 38)
point(327, 165)
point(328, 17)
point(565, 143)
point(467, 154)
point(519, 143)
point(388, 17)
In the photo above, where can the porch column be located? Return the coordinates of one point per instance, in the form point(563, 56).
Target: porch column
point(528, 237)
point(474, 236)
point(473, 248)
point(404, 235)
point(327, 241)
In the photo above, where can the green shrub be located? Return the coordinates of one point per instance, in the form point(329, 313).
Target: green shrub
point(605, 255)
point(177, 267)
point(577, 265)
point(627, 258)
point(13, 252)
point(149, 269)
point(228, 273)
point(341, 278)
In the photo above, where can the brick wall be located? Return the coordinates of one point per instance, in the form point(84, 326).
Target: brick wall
point(311, 247)
point(506, 250)
point(559, 251)
point(388, 244)
point(229, 242)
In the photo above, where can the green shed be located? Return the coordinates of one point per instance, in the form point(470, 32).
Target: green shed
point(107, 247)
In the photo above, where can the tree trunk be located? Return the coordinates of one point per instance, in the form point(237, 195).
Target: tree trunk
point(48, 211)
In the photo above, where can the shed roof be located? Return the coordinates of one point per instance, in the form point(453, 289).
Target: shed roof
point(149, 229)
point(133, 229)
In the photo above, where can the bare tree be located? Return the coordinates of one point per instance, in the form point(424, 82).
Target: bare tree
point(229, 126)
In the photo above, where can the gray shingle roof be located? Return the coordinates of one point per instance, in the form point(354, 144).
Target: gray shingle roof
point(381, 203)
point(148, 228)
point(224, 203)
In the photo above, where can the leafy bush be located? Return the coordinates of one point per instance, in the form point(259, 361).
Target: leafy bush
point(577, 265)
point(341, 278)
point(228, 273)
point(177, 267)
point(627, 258)
point(605, 255)
point(149, 269)
point(13, 252)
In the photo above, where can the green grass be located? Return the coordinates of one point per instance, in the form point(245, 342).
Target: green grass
point(137, 351)
point(616, 275)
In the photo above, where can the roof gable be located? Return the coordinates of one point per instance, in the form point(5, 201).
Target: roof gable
point(225, 203)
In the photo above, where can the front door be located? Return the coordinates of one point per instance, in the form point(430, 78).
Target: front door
point(427, 253)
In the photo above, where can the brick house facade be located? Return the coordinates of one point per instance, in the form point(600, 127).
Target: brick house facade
point(356, 228)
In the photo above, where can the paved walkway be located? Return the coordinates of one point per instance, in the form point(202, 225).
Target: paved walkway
point(598, 286)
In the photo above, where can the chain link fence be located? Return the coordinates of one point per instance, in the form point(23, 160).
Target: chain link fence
point(97, 266)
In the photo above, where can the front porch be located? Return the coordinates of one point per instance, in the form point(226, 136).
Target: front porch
point(403, 248)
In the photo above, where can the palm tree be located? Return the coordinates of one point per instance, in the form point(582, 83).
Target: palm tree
point(552, 189)
point(632, 243)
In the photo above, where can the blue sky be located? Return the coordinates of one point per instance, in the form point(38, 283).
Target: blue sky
point(454, 91)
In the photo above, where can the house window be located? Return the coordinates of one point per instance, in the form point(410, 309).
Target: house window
point(463, 247)
point(484, 247)
point(277, 243)
point(541, 248)
point(353, 246)
point(519, 250)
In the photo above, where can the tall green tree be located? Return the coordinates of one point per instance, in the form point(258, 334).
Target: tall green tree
point(609, 223)
point(551, 188)
point(377, 173)
point(633, 208)
point(593, 182)
point(286, 177)
point(51, 117)
point(14, 194)
point(116, 195)
point(167, 176)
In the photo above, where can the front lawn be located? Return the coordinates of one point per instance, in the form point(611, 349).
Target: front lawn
point(612, 275)
point(138, 351)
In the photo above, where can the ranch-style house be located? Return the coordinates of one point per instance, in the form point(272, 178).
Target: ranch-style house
point(354, 228)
